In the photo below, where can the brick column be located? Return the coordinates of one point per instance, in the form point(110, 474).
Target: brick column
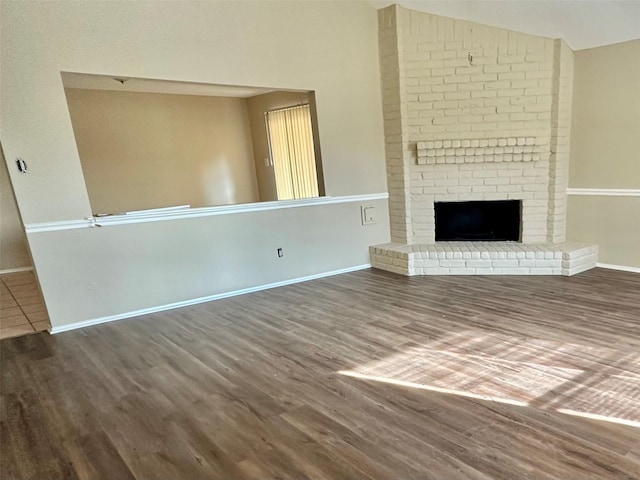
point(560, 141)
point(394, 103)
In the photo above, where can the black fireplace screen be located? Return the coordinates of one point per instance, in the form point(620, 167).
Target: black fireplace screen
point(478, 221)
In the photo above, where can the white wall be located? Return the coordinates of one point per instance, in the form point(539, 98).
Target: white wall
point(123, 268)
point(328, 47)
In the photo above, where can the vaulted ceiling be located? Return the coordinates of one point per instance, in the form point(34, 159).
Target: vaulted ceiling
point(581, 23)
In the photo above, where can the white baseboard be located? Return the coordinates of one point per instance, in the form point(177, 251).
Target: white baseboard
point(15, 270)
point(624, 268)
point(210, 298)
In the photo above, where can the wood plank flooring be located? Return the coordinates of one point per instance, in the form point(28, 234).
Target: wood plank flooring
point(366, 375)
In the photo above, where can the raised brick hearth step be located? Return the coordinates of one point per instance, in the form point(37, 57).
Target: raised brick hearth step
point(484, 258)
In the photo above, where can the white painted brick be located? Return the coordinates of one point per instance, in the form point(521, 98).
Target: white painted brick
point(436, 271)
point(505, 263)
point(475, 263)
point(488, 271)
point(517, 271)
point(415, 95)
point(462, 271)
point(427, 263)
point(452, 263)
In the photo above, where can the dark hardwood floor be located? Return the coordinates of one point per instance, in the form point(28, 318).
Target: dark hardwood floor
point(367, 375)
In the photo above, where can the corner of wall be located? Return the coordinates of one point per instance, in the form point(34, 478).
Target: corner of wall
point(14, 250)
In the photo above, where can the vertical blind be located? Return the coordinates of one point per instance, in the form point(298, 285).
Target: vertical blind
point(292, 153)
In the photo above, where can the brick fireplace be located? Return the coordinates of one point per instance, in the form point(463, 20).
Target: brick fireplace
point(475, 113)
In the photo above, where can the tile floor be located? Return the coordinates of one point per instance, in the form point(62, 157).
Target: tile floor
point(22, 309)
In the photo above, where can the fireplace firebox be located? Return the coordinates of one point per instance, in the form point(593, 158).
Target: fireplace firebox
point(497, 220)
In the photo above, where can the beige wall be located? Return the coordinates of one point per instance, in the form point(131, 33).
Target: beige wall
point(604, 151)
point(611, 222)
point(150, 150)
point(229, 43)
point(258, 105)
point(14, 252)
point(606, 117)
point(326, 47)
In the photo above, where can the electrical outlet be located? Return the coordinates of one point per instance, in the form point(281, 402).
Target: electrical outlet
point(280, 253)
point(368, 215)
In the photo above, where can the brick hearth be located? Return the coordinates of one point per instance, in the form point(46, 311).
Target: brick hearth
point(484, 258)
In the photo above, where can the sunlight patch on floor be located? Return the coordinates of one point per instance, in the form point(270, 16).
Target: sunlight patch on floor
point(593, 382)
point(594, 416)
point(403, 383)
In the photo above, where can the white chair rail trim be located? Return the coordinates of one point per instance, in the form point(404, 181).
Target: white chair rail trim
point(180, 214)
point(605, 192)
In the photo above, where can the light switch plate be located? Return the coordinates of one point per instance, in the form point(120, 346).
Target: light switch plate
point(368, 215)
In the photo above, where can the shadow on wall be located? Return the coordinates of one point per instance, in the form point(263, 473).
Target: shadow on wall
point(14, 251)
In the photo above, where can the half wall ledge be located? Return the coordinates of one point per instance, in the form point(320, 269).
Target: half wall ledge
point(484, 258)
